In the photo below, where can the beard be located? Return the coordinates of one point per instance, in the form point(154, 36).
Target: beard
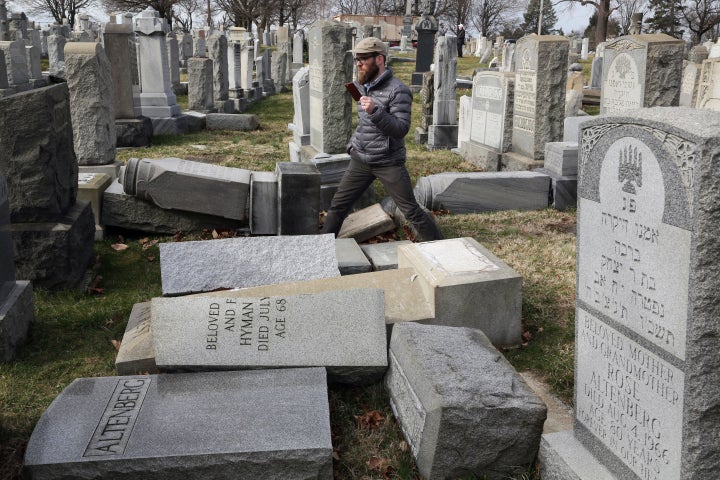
point(368, 74)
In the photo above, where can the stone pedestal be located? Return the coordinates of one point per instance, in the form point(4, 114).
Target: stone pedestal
point(298, 198)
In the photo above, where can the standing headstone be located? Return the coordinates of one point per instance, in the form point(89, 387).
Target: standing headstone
point(92, 103)
point(32, 54)
point(217, 52)
point(708, 90)
point(4, 27)
point(157, 426)
point(16, 64)
point(647, 367)
point(130, 131)
point(443, 131)
point(5, 89)
point(185, 48)
point(283, 34)
point(301, 103)
point(426, 29)
point(584, 49)
point(464, 120)
point(330, 105)
point(234, 68)
point(298, 40)
point(491, 121)
point(539, 102)
point(156, 98)
point(53, 234)
point(16, 297)
point(297, 58)
point(278, 67)
point(199, 46)
point(641, 71)
point(173, 51)
point(246, 65)
point(690, 84)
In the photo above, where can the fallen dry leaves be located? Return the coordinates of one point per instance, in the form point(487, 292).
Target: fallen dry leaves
point(119, 247)
point(370, 420)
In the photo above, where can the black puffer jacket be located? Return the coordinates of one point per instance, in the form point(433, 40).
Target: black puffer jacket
point(379, 139)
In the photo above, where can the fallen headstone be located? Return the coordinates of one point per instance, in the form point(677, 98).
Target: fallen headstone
point(230, 121)
point(483, 191)
point(203, 266)
point(166, 426)
point(366, 223)
point(350, 257)
point(462, 407)
point(132, 213)
point(137, 341)
point(341, 330)
point(177, 184)
point(468, 286)
point(383, 256)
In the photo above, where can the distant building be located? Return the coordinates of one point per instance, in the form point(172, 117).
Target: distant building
point(391, 26)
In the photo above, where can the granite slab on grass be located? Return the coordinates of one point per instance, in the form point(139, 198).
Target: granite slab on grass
point(462, 407)
point(343, 330)
point(241, 425)
point(203, 266)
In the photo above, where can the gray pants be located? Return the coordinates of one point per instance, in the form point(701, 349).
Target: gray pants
point(396, 180)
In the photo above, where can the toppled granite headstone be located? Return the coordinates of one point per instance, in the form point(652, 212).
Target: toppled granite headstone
point(462, 407)
point(177, 184)
point(203, 266)
point(267, 424)
point(341, 330)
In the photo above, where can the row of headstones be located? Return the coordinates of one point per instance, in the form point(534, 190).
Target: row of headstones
point(318, 320)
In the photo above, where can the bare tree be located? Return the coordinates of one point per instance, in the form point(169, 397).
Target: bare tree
point(189, 13)
point(488, 16)
point(163, 7)
point(59, 9)
point(624, 11)
point(701, 17)
point(604, 9)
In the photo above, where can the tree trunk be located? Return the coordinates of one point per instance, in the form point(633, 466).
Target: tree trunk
point(602, 21)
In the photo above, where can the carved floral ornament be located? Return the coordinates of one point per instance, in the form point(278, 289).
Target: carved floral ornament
point(682, 152)
point(624, 44)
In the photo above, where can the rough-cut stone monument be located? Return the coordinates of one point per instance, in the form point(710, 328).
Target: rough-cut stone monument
point(92, 103)
point(462, 407)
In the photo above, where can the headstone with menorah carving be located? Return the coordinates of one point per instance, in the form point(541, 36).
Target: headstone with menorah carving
point(647, 367)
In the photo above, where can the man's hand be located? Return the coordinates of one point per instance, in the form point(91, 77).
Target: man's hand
point(367, 104)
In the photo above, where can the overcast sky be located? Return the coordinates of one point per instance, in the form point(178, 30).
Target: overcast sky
point(571, 16)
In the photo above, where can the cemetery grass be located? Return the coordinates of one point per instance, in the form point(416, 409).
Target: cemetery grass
point(76, 333)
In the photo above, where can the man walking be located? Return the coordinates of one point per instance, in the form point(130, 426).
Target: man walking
point(377, 148)
point(460, 39)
